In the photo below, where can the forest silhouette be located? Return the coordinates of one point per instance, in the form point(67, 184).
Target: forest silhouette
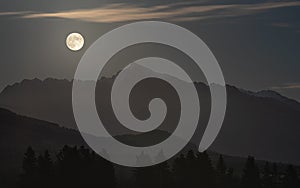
point(80, 167)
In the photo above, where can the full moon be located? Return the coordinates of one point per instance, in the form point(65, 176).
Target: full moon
point(74, 41)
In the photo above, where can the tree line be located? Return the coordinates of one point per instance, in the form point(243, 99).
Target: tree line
point(73, 167)
point(77, 167)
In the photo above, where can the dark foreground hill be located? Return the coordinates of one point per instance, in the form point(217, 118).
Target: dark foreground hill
point(18, 132)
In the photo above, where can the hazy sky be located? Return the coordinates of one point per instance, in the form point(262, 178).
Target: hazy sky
point(257, 43)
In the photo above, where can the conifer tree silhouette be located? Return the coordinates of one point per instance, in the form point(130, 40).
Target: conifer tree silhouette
point(29, 166)
point(291, 178)
point(80, 167)
point(179, 170)
point(267, 177)
point(191, 176)
point(221, 166)
point(207, 172)
point(29, 161)
point(251, 176)
point(221, 172)
point(231, 181)
point(144, 177)
point(45, 164)
point(163, 176)
point(194, 170)
point(275, 179)
point(45, 170)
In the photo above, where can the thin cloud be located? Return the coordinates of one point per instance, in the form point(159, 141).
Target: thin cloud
point(281, 24)
point(287, 86)
point(266, 6)
point(14, 13)
point(123, 12)
point(120, 12)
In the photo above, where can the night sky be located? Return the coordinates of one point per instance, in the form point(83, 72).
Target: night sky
point(257, 43)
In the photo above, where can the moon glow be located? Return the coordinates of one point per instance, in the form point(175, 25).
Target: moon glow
point(75, 41)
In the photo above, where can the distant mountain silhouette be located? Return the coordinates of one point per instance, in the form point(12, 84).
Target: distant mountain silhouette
point(263, 124)
point(41, 99)
point(276, 96)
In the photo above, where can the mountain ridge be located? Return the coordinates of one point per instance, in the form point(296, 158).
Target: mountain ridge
point(260, 126)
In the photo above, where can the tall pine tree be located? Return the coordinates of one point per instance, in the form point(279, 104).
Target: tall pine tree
point(291, 178)
point(251, 176)
point(267, 177)
point(29, 176)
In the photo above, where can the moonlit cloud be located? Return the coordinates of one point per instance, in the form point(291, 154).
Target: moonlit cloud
point(287, 86)
point(265, 6)
point(123, 12)
point(184, 11)
point(14, 13)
